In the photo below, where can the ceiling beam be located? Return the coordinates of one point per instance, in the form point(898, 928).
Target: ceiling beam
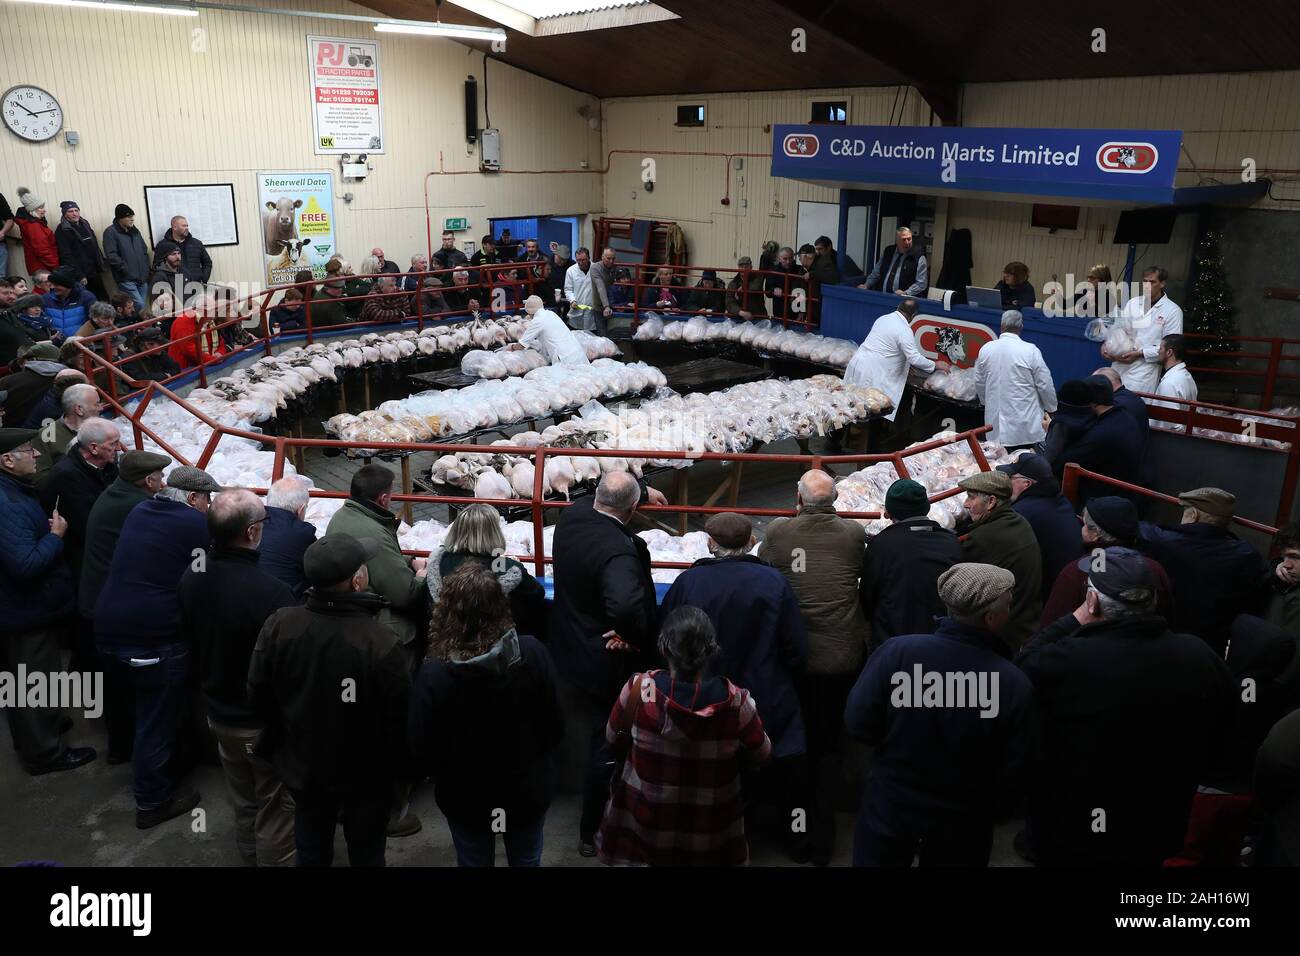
point(500, 13)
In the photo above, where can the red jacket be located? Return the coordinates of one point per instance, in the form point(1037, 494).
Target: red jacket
point(39, 246)
point(184, 351)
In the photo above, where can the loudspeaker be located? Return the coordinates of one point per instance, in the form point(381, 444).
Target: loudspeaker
point(471, 110)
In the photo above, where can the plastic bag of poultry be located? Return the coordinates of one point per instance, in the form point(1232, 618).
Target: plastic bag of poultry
point(1119, 340)
point(650, 329)
point(696, 330)
point(480, 364)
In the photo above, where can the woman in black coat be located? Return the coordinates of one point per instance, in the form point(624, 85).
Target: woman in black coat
point(485, 720)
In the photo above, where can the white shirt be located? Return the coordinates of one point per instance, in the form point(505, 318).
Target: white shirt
point(548, 334)
point(1177, 382)
point(577, 285)
point(882, 359)
point(1148, 326)
point(1013, 382)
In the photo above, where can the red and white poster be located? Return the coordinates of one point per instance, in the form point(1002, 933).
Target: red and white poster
point(346, 114)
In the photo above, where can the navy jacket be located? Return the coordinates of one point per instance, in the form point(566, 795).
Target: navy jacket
point(285, 539)
point(900, 583)
point(35, 584)
point(1215, 575)
point(1110, 445)
point(138, 606)
point(486, 728)
point(761, 638)
point(1142, 415)
point(1055, 525)
point(1134, 718)
point(943, 759)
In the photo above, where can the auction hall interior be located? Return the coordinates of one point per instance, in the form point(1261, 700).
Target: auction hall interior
point(649, 433)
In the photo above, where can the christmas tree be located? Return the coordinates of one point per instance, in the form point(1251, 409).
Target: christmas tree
point(1210, 310)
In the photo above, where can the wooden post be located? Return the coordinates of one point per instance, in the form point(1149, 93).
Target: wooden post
point(681, 497)
point(406, 487)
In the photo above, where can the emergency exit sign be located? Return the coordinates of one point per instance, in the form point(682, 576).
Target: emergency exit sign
point(453, 224)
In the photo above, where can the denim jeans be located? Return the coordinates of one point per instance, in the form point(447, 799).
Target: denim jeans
point(4, 256)
point(159, 688)
point(477, 845)
point(365, 825)
point(136, 291)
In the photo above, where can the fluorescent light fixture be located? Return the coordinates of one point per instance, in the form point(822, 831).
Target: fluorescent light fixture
point(442, 30)
point(162, 8)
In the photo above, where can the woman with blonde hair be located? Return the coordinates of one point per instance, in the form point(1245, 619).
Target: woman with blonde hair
point(476, 536)
point(485, 720)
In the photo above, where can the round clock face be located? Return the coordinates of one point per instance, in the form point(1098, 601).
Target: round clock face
point(31, 113)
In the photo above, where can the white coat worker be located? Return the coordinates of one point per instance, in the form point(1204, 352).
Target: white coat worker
point(884, 356)
point(1149, 318)
point(548, 334)
point(1177, 382)
point(1014, 383)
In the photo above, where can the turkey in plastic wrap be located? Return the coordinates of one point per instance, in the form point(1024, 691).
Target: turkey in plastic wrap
point(951, 382)
point(650, 329)
point(480, 364)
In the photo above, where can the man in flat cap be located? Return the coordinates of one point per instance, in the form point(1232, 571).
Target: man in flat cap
point(338, 742)
point(37, 366)
point(139, 477)
point(950, 718)
point(760, 632)
point(1215, 574)
point(1036, 497)
point(36, 601)
point(138, 619)
point(904, 562)
point(1137, 717)
point(996, 535)
point(1106, 522)
point(745, 292)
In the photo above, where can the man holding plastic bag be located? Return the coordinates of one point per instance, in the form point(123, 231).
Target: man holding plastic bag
point(1133, 343)
point(882, 360)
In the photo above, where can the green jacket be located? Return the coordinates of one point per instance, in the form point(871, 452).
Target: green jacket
point(103, 528)
point(390, 572)
point(1006, 540)
point(52, 451)
point(13, 336)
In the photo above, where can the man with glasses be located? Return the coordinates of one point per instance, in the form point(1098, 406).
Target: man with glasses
point(80, 404)
point(223, 607)
point(36, 599)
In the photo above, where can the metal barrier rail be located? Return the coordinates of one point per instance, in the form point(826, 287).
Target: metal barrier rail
point(1272, 358)
point(1075, 473)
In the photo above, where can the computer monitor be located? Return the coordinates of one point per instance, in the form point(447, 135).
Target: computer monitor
point(983, 298)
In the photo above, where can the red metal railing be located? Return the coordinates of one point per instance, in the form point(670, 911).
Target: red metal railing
point(790, 284)
point(1075, 473)
point(1272, 355)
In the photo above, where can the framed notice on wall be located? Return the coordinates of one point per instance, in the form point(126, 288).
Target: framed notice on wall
point(346, 114)
point(209, 207)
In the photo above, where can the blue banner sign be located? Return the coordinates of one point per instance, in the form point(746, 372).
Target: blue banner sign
point(1107, 165)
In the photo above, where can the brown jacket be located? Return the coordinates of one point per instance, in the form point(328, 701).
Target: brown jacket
point(822, 556)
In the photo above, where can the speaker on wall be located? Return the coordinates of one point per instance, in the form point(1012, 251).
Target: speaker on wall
point(471, 110)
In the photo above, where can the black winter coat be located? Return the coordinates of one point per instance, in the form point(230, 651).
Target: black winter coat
point(322, 734)
point(900, 584)
point(1055, 526)
point(602, 583)
point(75, 486)
point(223, 608)
point(196, 264)
point(1134, 716)
point(79, 248)
point(126, 254)
point(486, 729)
point(285, 539)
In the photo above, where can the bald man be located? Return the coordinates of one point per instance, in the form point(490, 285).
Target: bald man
point(548, 334)
point(602, 291)
point(603, 622)
point(823, 556)
point(79, 403)
point(224, 603)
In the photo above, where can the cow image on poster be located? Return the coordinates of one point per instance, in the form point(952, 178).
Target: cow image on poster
point(280, 223)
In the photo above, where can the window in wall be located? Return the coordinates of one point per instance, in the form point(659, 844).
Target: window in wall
point(690, 115)
point(830, 111)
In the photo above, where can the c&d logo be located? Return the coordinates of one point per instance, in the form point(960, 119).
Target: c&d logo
point(802, 145)
point(1127, 158)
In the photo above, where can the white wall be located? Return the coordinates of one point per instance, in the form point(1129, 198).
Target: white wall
point(151, 110)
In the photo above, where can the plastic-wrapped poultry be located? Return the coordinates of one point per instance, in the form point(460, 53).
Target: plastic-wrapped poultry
point(651, 328)
point(481, 364)
point(491, 484)
point(696, 330)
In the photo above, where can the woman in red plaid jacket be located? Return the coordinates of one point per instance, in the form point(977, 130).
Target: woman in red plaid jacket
point(677, 801)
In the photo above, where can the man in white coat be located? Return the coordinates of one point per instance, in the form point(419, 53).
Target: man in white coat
point(883, 358)
point(548, 334)
point(577, 290)
point(1177, 382)
point(1013, 382)
point(1149, 318)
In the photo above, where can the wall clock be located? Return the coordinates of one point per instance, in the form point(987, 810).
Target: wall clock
point(31, 113)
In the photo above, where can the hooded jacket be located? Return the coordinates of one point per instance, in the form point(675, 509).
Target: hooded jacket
point(27, 387)
point(486, 729)
point(332, 687)
point(526, 594)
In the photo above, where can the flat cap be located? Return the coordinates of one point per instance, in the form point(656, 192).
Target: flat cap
point(730, 530)
point(186, 478)
point(987, 483)
point(1075, 392)
point(336, 558)
point(1029, 465)
point(907, 499)
point(41, 352)
point(11, 438)
point(1120, 573)
point(970, 588)
point(1116, 516)
point(140, 464)
point(1213, 501)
